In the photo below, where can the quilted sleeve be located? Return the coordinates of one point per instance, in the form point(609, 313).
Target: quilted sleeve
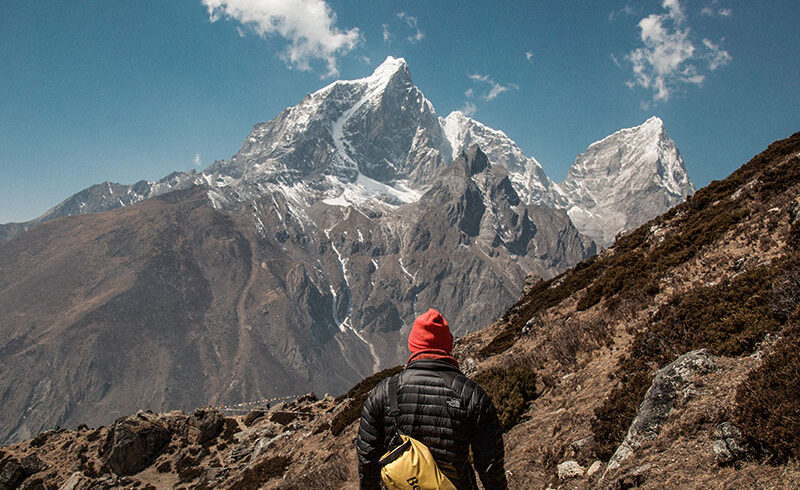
point(487, 444)
point(369, 443)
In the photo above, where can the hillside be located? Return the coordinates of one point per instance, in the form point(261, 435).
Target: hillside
point(668, 360)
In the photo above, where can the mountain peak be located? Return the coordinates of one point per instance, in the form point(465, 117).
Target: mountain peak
point(654, 121)
point(387, 70)
point(637, 172)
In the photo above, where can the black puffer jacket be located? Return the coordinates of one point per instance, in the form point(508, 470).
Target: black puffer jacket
point(445, 410)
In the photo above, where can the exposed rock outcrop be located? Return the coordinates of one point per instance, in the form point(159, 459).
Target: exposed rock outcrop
point(135, 442)
point(673, 381)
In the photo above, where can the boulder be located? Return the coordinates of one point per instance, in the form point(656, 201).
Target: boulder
point(33, 484)
point(582, 448)
point(11, 474)
point(32, 464)
point(469, 367)
point(134, 443)
point(74, 482)
point(671, 382)
point(307, 398)
point(594, 468)
point(283, 417)
point(253, 415)
point(203, 426)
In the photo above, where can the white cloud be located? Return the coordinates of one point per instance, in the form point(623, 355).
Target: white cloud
point(486, 89)
point(469, 108)
point(669, 58)
point(197, 161)
point(528, 55)
point(411, 21)
point(715, 11)
point(494, 88)
point(387, 36)
point(307, 25)
point(716, 56)
point(624, 11)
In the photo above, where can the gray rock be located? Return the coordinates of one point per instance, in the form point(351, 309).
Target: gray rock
point(569, 469)
point(11, 475)
point(253, 415)
point(730, 445)
point(469, 366)
point(594, 468)
point(265, 443)
point(582, 444)
point(307, 398)
point(283, 417)
point(73, 482)
point(32, 464)
point(670, 383)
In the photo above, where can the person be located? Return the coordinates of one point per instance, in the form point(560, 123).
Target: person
point(440, 407)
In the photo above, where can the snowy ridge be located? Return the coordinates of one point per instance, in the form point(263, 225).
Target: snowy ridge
point(376, 143)
point(525, 173)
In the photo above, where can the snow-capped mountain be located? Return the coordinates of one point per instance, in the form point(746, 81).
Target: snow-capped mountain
point(380, 127)
point(526, 174)
point(296, 265)
point(624, 180)
point(377, 143)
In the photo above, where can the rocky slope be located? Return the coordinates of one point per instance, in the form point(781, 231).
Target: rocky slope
point(665, 361)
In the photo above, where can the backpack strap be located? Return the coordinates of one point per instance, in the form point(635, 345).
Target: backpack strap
point(394, 409)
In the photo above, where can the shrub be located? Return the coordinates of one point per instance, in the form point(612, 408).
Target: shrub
point(543, 295)
point(768, 401)
point(358, 395)
point(786, 294)
point(728, 319)
point(511, 388)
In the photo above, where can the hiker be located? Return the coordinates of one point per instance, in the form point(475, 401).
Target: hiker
point(439, 407)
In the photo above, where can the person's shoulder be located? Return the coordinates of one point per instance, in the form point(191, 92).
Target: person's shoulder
point(474, 391)
point(381, 390)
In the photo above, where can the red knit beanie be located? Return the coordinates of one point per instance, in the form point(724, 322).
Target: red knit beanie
point(430, 331)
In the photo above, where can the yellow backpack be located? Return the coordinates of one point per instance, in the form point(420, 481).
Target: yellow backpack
point(409, 466)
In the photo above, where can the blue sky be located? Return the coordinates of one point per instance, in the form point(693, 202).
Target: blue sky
point(124, 90)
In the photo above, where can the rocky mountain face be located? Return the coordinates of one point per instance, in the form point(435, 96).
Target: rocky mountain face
point(625, 180)
point(296, 265)
point(667, 360)
point(527, 175)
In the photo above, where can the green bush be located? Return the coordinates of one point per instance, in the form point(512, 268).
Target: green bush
point(768, 401)
point(511, 389)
